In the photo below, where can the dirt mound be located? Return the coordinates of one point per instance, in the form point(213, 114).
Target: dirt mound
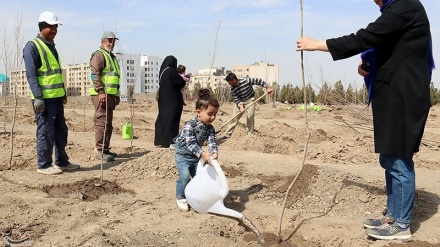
point(154, 165)
point(87, 190)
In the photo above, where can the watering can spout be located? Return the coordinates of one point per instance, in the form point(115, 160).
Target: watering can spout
point(219, 208)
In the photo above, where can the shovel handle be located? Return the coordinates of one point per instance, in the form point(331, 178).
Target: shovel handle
point(249, 105)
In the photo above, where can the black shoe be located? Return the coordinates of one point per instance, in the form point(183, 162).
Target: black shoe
point(111, 153)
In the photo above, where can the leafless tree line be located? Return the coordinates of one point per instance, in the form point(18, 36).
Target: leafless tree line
point(12, 60)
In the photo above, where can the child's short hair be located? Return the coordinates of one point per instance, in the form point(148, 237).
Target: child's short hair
point(231, 76)
point(181, 69)
point(205, 100)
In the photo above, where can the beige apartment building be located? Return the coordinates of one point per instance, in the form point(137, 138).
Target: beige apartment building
point(77, 77)
point(265, 71)
point(76, 81)
point(18, 83)
point(215, 77)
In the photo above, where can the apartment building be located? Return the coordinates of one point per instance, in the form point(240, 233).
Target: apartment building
point(142, 73)
point(215, 77)
point(150, 66)
point(4, 85)
point(18, 82)
point(77, 79)
point(267, 72)
point(130, 72)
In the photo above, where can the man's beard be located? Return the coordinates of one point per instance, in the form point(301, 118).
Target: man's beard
point(108, 48)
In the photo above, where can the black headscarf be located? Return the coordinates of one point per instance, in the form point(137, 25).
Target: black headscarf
point(169, 61)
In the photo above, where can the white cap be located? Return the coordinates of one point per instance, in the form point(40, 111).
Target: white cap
point(108, 35)
point(49, 17)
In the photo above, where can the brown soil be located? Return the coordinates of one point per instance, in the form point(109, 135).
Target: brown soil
point(339, 186)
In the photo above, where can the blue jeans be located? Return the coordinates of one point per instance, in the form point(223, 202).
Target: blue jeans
point(186, 163)
point(400, 186)
point(51, 132)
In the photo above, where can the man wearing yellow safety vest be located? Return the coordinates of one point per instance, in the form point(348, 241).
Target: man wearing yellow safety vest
point(43, 72)
point(104, 89)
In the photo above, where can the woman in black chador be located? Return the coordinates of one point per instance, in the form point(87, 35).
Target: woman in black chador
point(170, 103)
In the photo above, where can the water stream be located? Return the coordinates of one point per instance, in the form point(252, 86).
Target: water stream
point(251, 225)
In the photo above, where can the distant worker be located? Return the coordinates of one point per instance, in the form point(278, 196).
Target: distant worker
point(244, 95)
point(43, 72)
point(188, 145)
point(105, 76)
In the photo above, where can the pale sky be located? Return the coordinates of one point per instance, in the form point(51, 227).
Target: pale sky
point(250, 31)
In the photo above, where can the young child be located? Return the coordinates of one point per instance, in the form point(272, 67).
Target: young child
point(181, 70)
point(188, 144)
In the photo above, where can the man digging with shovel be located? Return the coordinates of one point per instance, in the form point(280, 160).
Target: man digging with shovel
point(244, 98)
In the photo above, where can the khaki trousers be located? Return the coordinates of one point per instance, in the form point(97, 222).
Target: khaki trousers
point(249, 120)
point(100, 120)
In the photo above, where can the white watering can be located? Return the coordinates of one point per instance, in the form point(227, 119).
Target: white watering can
point(206, 191)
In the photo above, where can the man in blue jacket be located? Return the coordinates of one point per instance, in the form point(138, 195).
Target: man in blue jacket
point(43, 72)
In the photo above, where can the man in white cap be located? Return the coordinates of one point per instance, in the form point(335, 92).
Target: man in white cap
point(104, 89)
point(43, 72)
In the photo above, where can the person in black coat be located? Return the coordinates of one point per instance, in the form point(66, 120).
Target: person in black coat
point(401, 40)
point(170, 103)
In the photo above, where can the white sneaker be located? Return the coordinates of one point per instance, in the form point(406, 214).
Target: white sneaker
point(49, 171)
point(172, 146)
point(183, 205)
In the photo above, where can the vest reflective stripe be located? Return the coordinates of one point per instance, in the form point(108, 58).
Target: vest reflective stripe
point(49, 74)
point(53, 86)
point(52, 72)
point(112, 85)
point(110, 75)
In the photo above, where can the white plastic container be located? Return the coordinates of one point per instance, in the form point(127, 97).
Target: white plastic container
point(206, 191)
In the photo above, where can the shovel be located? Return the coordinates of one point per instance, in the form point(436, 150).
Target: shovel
point(238, 114)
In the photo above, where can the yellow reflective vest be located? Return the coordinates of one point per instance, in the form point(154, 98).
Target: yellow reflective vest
point(110, 75)
point(49, 75)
